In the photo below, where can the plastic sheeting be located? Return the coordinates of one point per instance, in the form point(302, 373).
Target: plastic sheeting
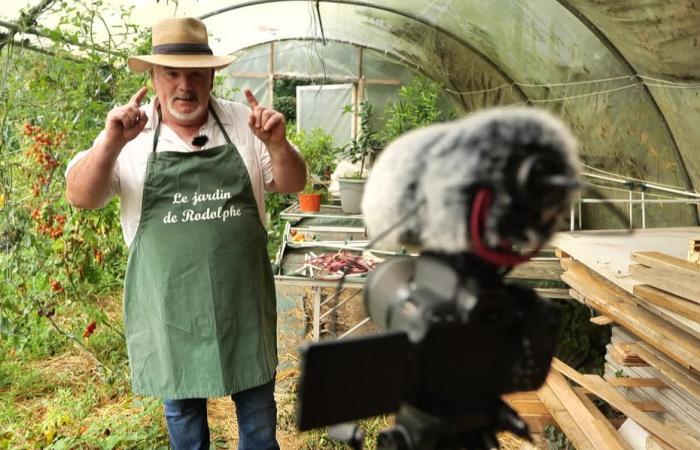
point(624, 74)
point(322, 106)
point(541, 52)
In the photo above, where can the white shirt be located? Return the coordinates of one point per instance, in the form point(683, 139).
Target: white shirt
point(130, 169)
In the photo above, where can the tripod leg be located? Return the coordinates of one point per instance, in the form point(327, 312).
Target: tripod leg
point(349, 433)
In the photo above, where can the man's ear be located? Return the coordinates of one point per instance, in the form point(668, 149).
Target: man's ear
point(211, 80)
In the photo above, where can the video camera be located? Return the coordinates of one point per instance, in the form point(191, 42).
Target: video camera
point(456, 336)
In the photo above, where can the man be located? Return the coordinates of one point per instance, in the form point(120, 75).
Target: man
point(199, 301)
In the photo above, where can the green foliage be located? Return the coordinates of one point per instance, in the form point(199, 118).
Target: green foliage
point(275, 203)
point(55, 408)
point(221, 90)
point(367, 138)
point(52, 253)
point(56, 262)
point(285, 96)
point(316, 147)
point(287, 106)
point(417, 105)
point(582, 343)
point(556, 440)
point(288, 87)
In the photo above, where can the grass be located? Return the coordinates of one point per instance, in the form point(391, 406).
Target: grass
point(64, 402)
point(58, 394)
point(78, 397)
point(74, 396)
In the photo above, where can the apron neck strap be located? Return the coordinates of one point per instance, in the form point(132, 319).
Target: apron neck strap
point(156, 135)
point(218, 122)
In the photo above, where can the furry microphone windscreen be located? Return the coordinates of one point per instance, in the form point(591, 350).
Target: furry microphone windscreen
point(420, 190)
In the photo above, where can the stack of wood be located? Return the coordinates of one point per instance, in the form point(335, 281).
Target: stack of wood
point(653, 360)
point(567, 400)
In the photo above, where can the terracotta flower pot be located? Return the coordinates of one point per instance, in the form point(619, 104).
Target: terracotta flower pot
point(309, 202)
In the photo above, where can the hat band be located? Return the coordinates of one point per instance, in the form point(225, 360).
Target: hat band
point(182, 49)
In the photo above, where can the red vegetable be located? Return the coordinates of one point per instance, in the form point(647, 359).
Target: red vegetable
point(341, 263)
point(90, 329)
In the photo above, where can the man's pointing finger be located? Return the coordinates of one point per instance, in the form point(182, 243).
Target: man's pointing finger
point(138, 97)
point(252, 101)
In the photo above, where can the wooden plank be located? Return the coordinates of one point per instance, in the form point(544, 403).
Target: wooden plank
point(654, 443)
point(685, 379)
point(527, 404)
point(628, 353)
point(624, 359)
point(602, 320)
point(596, 431)
point(536, 270)
point(564, 419)
point(384, 82)
point(651, 335)
point(645, 405)
point(694, 250)
point(649, 406)
point(628, 382)
point(620, 359)
point(600, 417)
point(664, 261)
point(559, 253)
point(600, 388)
point(673, 303)
point(537, 423)
point(681, 406)
point(530, 408)
point(678, 320)
point(566, 263)
point(614, 302)
point(609, 253)
point(553, 293)
point(670, 274)
point(521, 396)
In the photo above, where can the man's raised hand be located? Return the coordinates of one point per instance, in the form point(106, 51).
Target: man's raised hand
point(125, 122)
point(267, 124)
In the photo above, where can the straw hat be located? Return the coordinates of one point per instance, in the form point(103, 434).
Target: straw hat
point(179, 43)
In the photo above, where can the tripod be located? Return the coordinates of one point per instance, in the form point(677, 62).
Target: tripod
point(416, 429)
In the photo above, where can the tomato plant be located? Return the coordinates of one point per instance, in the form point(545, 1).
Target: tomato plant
point(54, 257)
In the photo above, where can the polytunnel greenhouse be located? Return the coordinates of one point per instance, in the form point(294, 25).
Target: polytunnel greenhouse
point(618, 82)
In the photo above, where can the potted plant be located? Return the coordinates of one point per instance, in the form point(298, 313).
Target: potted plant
point(310, 198)
point(317, 149)
point(352, 184)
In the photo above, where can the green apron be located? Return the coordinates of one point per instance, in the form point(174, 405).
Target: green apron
point(199, 297)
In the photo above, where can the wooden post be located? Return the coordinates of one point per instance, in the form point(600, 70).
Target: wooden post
point(271, 75)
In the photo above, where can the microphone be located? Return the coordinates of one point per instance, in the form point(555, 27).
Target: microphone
point(498, 177)
point(200, 140)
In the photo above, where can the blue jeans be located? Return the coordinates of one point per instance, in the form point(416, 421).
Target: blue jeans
point(256, 413)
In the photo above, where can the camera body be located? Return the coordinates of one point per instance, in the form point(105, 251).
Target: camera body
point(472, 336)
point(457, 339)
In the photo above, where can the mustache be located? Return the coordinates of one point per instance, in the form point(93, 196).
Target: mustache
point(189, 97)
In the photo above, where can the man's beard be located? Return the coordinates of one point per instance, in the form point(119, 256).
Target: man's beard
point(184, 116)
